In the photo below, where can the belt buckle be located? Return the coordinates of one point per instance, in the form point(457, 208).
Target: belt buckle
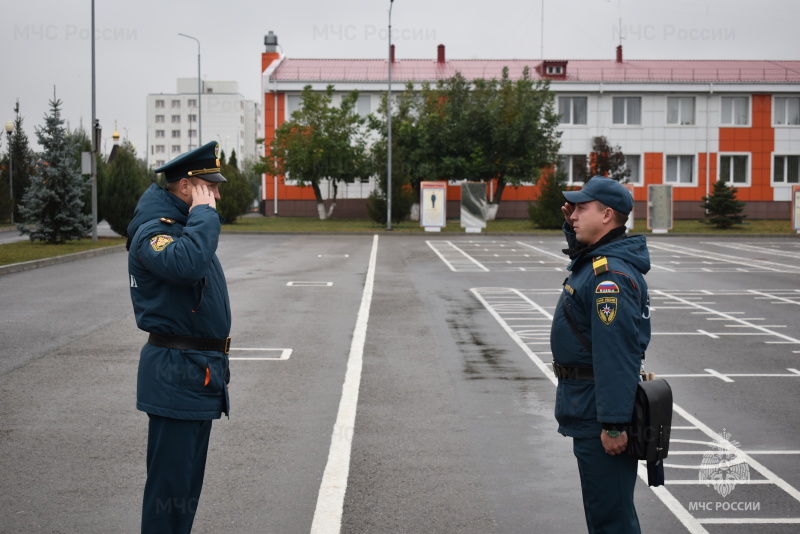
point(227, 348)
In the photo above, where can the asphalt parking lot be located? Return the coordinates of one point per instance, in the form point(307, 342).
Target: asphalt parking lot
point(399, 384)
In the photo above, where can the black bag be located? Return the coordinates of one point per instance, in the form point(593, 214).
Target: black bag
point(651, 422)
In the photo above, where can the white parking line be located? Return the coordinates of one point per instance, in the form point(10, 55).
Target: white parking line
point(330, 501)
point(285, 354)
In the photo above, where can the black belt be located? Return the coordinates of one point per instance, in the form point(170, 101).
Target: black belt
point(190, 343)
point(573, 373)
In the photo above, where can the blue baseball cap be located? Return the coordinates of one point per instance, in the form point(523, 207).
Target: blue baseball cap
point(606, 191)
point(201, 163)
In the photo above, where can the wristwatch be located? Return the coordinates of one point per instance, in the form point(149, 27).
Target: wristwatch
point(613, 433)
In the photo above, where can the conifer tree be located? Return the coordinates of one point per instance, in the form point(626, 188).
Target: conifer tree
point(53, 205)
point(235, 195)
point(22, 160)
point(723, 210)
point(124, 180)
point(546, 211)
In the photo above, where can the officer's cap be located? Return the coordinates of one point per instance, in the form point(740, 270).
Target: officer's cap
point(200, 163)
point(606, 191)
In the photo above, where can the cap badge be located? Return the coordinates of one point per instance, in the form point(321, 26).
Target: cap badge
point(216, 151)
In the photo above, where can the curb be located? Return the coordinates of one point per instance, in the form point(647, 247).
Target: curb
point(35, 264)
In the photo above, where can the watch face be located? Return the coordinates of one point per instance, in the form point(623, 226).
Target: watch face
point(613, 433)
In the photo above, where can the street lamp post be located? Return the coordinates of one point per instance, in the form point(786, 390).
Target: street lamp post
point(389, 126)
point(199, 93)
point(9, 131)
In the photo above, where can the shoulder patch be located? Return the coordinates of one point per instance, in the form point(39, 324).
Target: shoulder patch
point(167, 220)
point(160, 242)
point(607, 309)
point(600, 265)
point(607, 287)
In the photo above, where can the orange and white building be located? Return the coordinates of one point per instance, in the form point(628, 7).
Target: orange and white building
point(683, 123)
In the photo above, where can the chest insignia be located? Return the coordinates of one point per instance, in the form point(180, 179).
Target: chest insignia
point(569, 288)
point(160, 242)
point(167, 220)
point(607, 287)
point(600, 265)
point(607, 309)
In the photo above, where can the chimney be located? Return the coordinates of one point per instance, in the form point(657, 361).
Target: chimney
point(391, 54)
point(619, 53)
point(271, 42)
point(440, 54)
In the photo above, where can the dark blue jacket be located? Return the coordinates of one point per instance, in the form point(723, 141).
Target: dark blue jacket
point(178, 287)
point(610, 306)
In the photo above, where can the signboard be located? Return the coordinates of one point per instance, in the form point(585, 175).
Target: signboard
point(473, 206)
point(434, 205)
point(796, 207)
point(659, 208)
point(629, 224)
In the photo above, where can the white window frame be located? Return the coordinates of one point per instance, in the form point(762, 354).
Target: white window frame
point(160, 134)
point(572, 110)
point(176, 149)
point(733, 124)
point(680, 111)
point(786, 123)
point(176, 134)
point(785, 169)
point(570, 175)
point(191, 103)
point(176, 119)
point(721, 155)
point(635, 179)
point(626, 111)
point(176, 104)
point(678, 183)
point(160, 119)
point(554, 70)
point(293, 103)
point(160, 104)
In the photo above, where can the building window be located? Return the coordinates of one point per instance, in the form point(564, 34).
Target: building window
point(633, 163)
point(786, 169)
point(160, 149)
point(192, 134)
point(572, 109)
point(159, 118)
point(295, 103)
point(680, 110)
point(176, 119)
point(364, 105)
point(733, 169)
point(176, 104)
point(176, 149)
point(160, 162)
point(735, 110)
point(680, 170)
point(192, 103)
point(627, 110)
point(176, 134)
point(787, 110)
point(575, 167)
point(192, 118)
point(159, 133)
point(554, 70)
point(159, 103)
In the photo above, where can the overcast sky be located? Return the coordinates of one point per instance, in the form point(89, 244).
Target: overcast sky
point(138, 50)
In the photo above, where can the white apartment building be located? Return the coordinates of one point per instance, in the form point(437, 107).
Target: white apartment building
point(173, 121)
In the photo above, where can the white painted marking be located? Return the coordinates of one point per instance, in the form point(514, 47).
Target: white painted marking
point(718, 375)
point(309, 284)
point(712, 336)
point(774, 297)
point(330, 501)
point(285, 354)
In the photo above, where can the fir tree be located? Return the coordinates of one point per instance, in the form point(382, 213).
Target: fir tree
point(722, 208)
point(235, 195)
point(124, 180)
point(53, 204)
point(22, 161)
point(606, 160)
point(546, 211)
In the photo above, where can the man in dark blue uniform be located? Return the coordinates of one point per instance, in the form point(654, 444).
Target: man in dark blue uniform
point(601, 328)
point(180, 298)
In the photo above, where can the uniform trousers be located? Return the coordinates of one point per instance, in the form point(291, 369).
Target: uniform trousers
point(607, 483)
point(176, 463)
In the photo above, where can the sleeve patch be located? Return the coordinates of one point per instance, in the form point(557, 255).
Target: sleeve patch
point(607, 309)
point(607, 287)
point(160, 242)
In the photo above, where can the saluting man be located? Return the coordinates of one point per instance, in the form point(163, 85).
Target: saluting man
point(180, 298)
point(601, 328)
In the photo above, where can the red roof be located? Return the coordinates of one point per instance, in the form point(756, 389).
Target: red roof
point(422, 70)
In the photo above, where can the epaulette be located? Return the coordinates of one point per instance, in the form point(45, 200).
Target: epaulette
point(600, 265)
point(167, 220)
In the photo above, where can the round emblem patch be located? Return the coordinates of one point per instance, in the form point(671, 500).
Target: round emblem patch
point(216, 151)
point(160, 242)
